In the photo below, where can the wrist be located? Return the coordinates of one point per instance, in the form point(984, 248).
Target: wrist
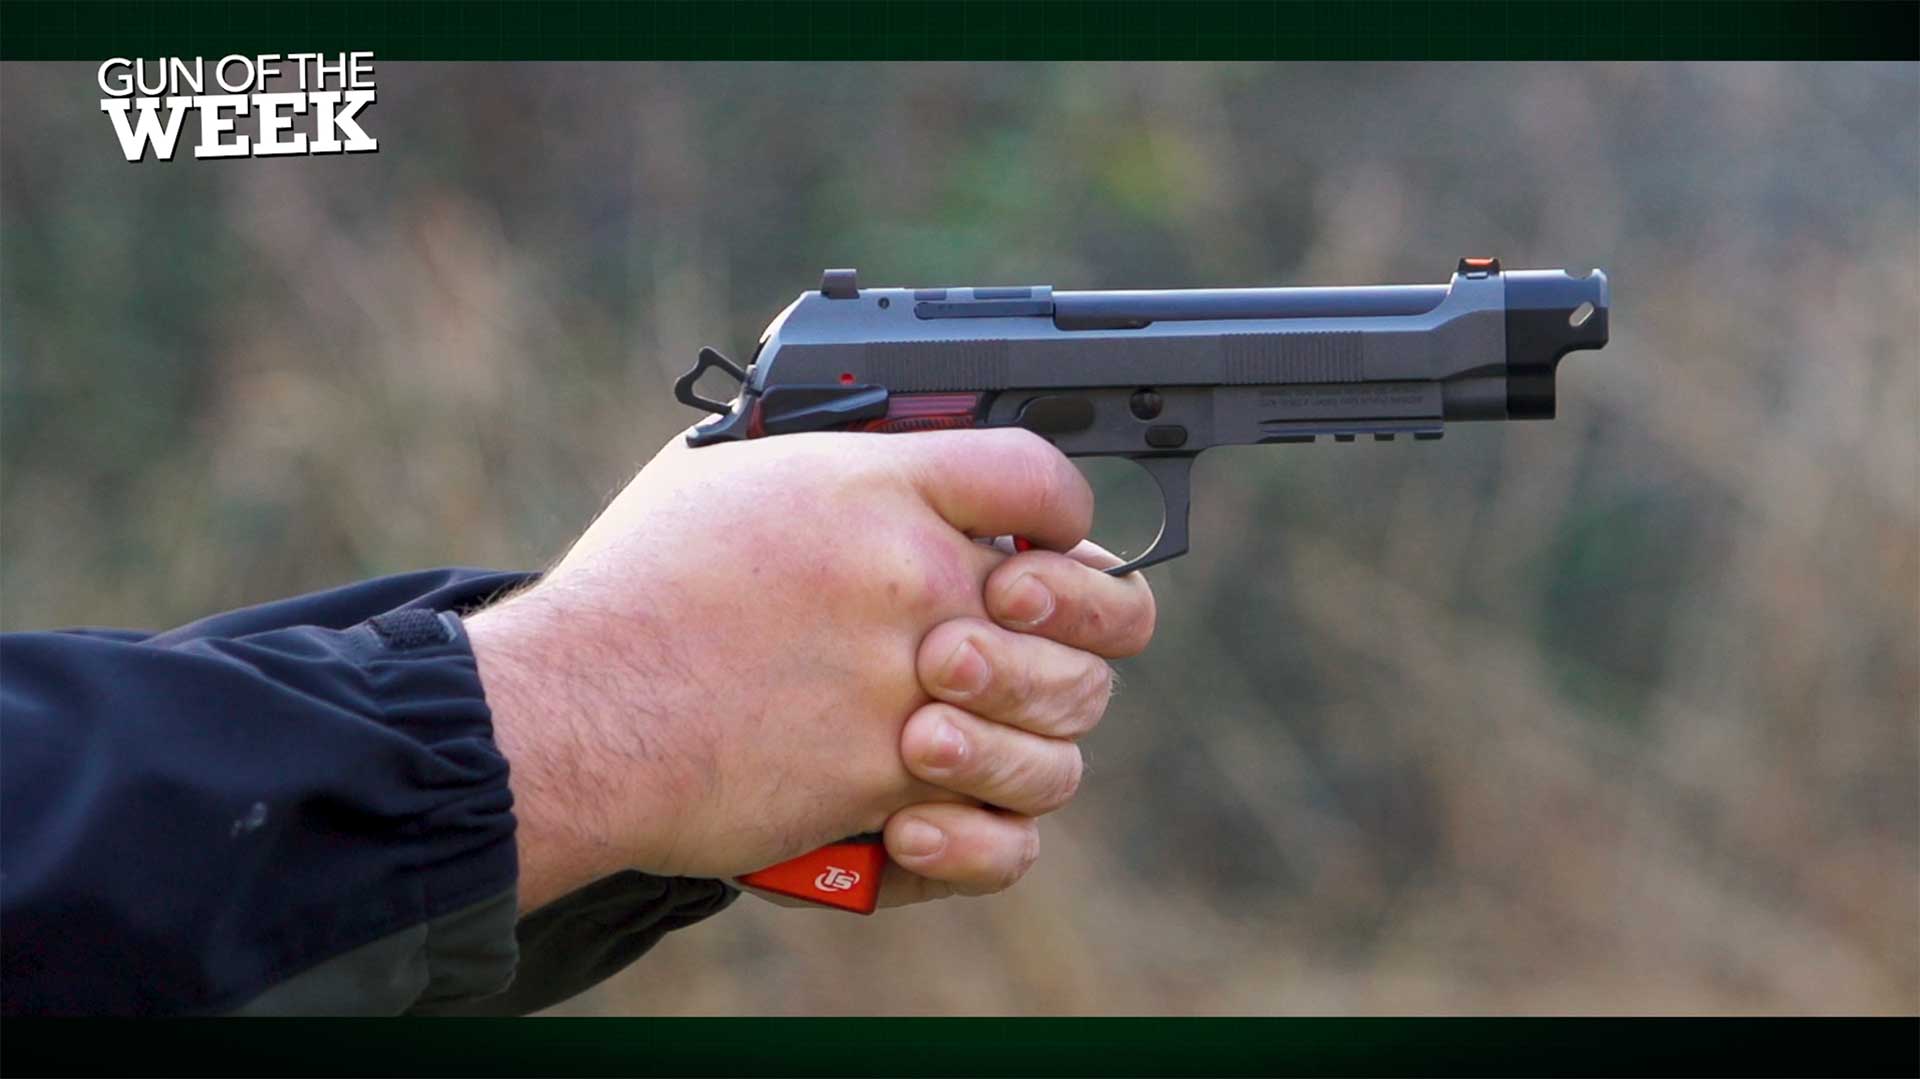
point(550, 725)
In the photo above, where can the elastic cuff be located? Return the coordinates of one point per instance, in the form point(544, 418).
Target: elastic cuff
point(423, 675)
point(449, 932)
point(587, 936)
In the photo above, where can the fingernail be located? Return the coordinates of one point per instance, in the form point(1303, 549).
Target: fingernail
point(1027, 602)
point(966, 672)
point(947, 747)
point(916, 838)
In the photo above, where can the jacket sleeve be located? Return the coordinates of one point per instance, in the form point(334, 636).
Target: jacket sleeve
point(292, 808)
point(583, 938)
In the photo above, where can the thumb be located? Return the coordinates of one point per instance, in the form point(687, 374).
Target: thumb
point(999, 482)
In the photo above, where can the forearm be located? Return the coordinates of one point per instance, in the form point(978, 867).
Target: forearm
point(561, 836)
point(591, 792)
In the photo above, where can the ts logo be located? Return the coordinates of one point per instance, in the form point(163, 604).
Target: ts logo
point(836, 879)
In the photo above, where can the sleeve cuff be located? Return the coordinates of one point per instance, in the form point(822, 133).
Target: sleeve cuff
point(586, 937)
point(446, 919)
point(426, 683)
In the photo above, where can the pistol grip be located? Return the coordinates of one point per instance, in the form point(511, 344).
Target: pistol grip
point(843, 875)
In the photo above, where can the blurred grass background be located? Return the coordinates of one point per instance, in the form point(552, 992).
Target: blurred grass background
point(1610, 714)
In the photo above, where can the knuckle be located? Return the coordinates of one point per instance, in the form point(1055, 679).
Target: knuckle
point(1004, 776)
point(1021, 683)
point(1052, 481)
point(1027, 853)
point(1029, 448)
point(1067, 784)
point(1053, 782)
point(1096, 692)
point(1083, 701)
point(1041, 479)
point(931, 575)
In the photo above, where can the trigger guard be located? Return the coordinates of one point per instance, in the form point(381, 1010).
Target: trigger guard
point(1172, 475)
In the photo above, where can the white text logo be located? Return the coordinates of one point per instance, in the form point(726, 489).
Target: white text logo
point(836, 879)
point(316, 107)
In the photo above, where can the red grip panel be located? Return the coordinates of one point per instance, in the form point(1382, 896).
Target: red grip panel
point(844, 875)
point(908, 412)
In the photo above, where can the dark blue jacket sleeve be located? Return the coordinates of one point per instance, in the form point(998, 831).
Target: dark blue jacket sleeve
point(190, 818)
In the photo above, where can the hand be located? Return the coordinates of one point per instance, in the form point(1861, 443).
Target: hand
point(1005, 729)
point(716, 677)
point(999, 739)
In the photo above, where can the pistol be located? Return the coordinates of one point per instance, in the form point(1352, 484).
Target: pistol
point(1155, 377)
